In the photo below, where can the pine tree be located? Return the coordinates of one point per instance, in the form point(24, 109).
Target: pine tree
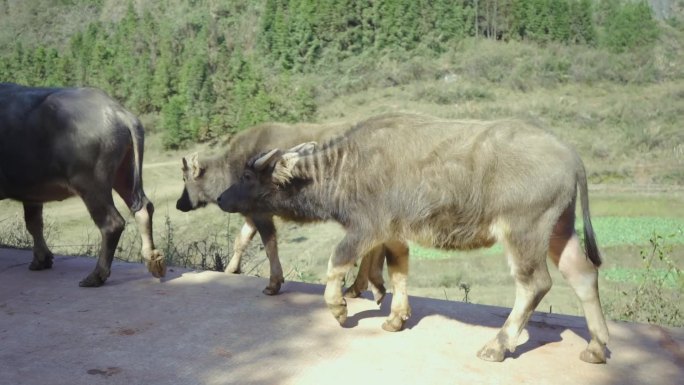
point(267, 35)
point(164, 77)
point(582, 30)
point(54, 74)
point(303, 42)
point(559, 26)
point(173, 118)
point(520, 18)
point(19, 65)
point(630, 27)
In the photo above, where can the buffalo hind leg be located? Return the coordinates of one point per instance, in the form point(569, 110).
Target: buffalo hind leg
point(267, 232)
point(241, 241)
point(532, 282)
point(397, 267)
point(566, 253)
point(370, 270)
point(111, 224)
point(377, 283)
point(363, 275)
point(124, 186)
point(33, 217)
point(154, 259)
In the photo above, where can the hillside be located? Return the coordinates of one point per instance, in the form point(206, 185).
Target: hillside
point(196, 70)
point(605, 75)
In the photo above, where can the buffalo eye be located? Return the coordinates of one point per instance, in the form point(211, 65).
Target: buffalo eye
point(246, 177)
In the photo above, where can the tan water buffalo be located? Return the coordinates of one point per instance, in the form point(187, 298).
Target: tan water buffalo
point(446, 184)
point(206, 177)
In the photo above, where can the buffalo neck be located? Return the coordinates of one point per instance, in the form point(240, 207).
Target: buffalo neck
point(218, 175)
point(323, 185)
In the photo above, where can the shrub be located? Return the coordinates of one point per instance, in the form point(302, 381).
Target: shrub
point(628, 26)
point(657, 297)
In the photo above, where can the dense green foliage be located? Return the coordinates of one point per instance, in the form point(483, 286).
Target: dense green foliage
point(183, 72)
point(206, 69)
point(630, 25)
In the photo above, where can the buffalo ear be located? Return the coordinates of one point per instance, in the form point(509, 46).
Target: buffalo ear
point(284, 169)
point(197, 169)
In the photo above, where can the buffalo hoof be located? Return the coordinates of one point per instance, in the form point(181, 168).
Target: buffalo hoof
point(272, 289)
point(93, 280)
point(157, 265)
point(491, 354)
point(395, 322)
point(594, 354)
point(339, 311)
point(495, 350)
point(37, 265)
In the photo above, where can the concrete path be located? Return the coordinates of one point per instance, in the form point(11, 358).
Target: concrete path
point(214, 328)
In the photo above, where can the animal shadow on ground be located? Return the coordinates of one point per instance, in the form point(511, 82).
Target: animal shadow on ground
point(542, 328)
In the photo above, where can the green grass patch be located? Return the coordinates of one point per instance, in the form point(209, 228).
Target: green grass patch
point(640, 275)
point(420, 252)
point(618, 231)
point(636, 205)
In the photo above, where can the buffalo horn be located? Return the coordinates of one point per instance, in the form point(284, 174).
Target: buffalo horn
point(303, 148)
point(260, 163)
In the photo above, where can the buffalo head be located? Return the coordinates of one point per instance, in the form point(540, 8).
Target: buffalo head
point(262, 180)
point(193, 195)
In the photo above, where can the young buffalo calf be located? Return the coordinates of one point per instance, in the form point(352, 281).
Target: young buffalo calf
point(445, 184)
point(205, 177)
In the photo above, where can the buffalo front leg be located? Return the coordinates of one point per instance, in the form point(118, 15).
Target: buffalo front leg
point(154, 258)
point(267, 231)
point(111, 225)
point(241, 241)
point(33, 217)
point(339, 264)
point(397, 266)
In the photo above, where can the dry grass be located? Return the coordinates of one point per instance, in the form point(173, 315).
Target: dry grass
point(625, 134)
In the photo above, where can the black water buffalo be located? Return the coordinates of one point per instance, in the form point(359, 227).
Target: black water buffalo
point(60, 142)
point(446, 184)
point(206, 177)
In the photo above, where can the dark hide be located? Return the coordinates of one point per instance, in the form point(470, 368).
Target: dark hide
point(61, 142)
